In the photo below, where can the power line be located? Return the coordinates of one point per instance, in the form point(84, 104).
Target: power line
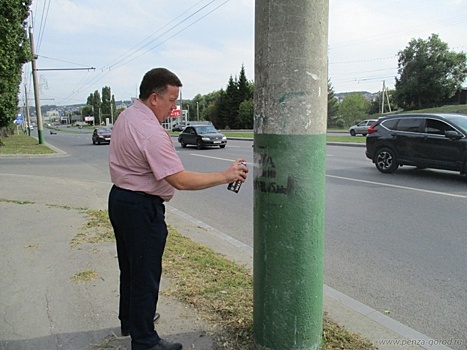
point(183, 29)
point(107, 69)
point(128, 54)
point(43, 23)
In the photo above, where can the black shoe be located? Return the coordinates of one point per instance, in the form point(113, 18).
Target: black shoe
point(126, 331)
point(165, 345)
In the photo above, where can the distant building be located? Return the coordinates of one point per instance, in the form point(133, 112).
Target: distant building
point(460, 98)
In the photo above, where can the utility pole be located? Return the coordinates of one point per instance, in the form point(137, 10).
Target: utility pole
point(40, 127)
point(111, 112)
point(291, 42)
point(28, 117)
point(382, 98)
point(384, 94)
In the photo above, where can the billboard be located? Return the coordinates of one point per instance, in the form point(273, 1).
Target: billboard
point(175, 113)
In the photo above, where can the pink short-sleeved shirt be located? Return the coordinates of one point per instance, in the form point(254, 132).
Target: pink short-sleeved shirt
point(142, 153)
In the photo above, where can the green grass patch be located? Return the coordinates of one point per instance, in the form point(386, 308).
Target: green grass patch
point(22, 144)
point(347, 138)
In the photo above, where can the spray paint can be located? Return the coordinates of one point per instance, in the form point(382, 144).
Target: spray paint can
point(235, 186)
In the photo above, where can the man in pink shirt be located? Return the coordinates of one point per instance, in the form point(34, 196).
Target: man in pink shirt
point(145, 170)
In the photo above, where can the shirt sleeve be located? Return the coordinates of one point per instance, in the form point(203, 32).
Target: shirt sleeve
point(161, 155)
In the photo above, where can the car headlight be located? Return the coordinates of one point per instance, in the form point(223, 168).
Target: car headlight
point(205, 139)
point(224, 138)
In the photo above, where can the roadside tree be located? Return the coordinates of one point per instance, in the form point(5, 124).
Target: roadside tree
point(333, 106)
point(245, 114)
point(14, 52)
point(94, 101)
point(354, 108)
point(429, 73)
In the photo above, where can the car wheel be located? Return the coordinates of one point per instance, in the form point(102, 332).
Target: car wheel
point(183, 144)
point(352, 132)
point(385, 160)
point(199, 144)
point(222, 146)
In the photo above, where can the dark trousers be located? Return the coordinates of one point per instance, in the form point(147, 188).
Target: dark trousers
point(140, 230)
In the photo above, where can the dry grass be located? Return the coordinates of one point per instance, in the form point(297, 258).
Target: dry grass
point(96, 230)
point(221, 290)
point(84, 276)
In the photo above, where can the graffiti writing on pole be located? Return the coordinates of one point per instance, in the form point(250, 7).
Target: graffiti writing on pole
point(267, 181)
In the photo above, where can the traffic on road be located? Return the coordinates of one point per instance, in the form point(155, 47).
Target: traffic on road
point(394, 243)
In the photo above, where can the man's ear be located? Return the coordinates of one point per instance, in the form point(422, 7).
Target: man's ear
point(153, 98)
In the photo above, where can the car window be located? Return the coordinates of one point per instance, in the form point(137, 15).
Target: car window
point(408, 124)
point(459, 121)
point(438, 127)
point(390, 124)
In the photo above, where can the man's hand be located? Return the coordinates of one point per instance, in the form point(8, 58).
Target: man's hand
point(236, 171)
point(189, 180)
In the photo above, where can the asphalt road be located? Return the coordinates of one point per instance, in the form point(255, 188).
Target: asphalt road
point(394, 242)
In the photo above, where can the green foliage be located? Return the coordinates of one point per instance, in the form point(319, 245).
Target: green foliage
point(229, 108)
point(429, 73)
point(333, 106)
point(95, 103)
point(14, 52)
point(106, 100)
point(354, 108)
point(245, 114)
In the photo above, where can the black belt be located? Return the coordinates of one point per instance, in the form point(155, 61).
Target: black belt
point(152, 196)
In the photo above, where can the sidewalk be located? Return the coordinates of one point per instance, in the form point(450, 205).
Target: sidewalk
point(43, 309)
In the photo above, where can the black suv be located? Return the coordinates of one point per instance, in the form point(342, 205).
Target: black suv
point(422, 140)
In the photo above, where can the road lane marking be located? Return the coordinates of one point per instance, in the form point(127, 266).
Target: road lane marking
point(216, 158)
point(399, 187)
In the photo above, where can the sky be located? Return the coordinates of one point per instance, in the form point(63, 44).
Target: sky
point(206, 42)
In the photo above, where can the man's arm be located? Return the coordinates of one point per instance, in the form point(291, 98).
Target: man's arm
point(188, 180)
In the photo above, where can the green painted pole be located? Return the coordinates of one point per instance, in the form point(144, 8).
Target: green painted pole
point(289, 172)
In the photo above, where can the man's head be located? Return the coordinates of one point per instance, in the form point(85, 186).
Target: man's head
point(159, 90)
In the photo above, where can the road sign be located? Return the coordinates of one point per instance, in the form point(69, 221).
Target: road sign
point(19, 119)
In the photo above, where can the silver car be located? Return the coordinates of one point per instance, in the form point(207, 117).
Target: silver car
point(361, 128)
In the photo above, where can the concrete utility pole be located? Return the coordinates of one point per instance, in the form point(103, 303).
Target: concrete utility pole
point(40, 126)
point(291, 42)
point(28, 117)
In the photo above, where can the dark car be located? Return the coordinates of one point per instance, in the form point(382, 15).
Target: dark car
point(101, 135)
point(178, 127)
point(361, 127)
point(422, 140)
point(202, 136)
